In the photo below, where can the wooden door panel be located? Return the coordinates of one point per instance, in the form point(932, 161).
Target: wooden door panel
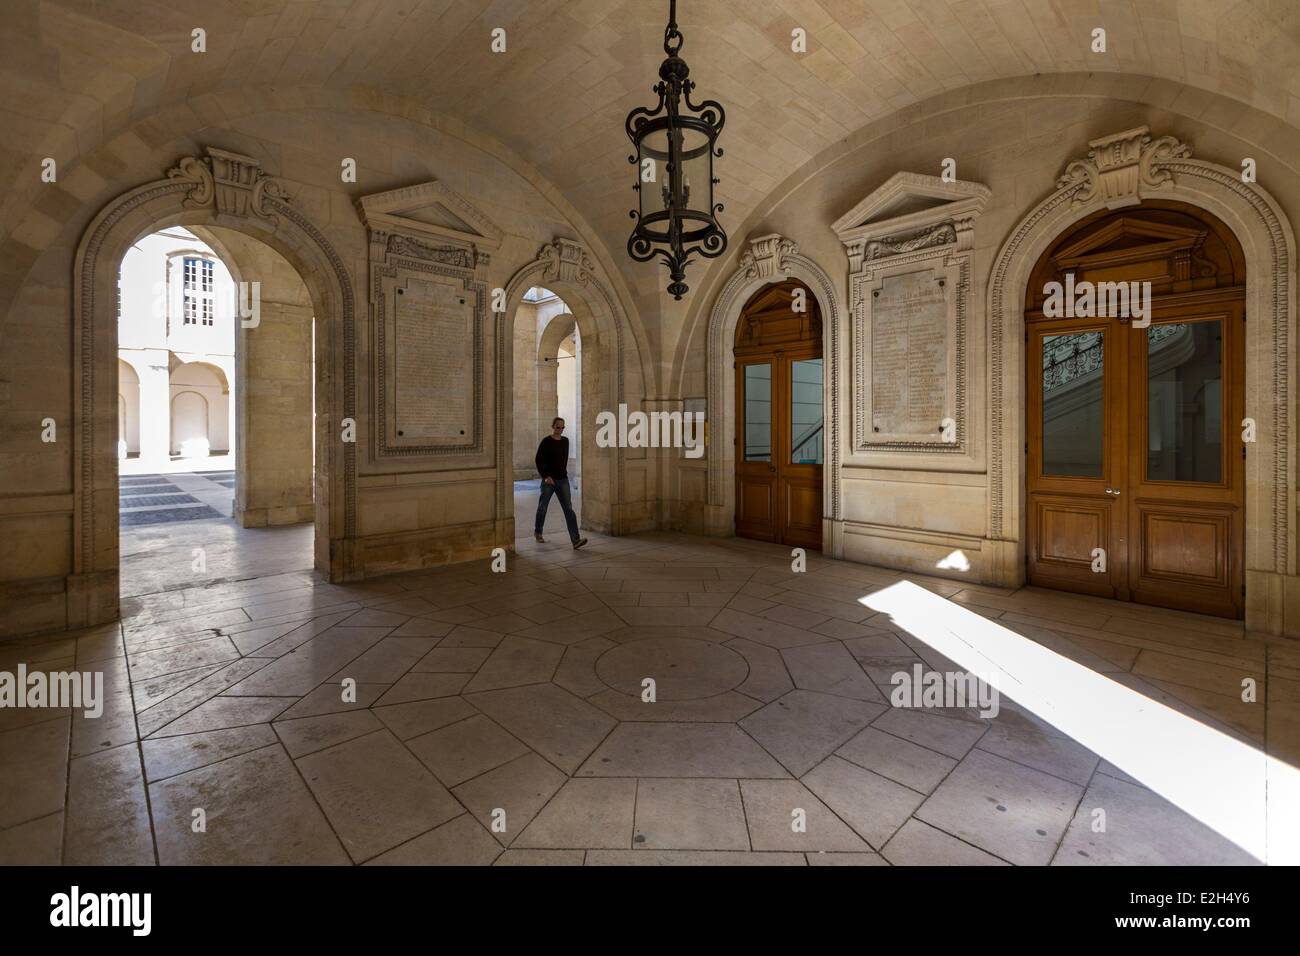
point(756, 507)
point(1183, 548)
point(1068, 530)
point(803, 512)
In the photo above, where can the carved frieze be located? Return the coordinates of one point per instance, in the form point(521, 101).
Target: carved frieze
point(416, 249)
point(939, 235)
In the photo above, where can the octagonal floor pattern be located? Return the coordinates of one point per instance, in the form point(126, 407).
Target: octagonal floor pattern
point(505, 718)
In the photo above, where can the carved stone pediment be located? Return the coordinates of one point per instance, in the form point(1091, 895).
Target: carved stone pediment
point(434, 217)
point(911, 211)
point(1119, 169)
point(231, 182)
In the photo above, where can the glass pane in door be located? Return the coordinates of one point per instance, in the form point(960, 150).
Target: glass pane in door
point(806, 412)
point(1074, 404)
point(1185, 402)
point(758, 412)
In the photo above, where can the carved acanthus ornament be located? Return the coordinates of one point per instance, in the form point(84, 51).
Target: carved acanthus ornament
point(765, 257)
point(232, 182)
point(193, 170)
point(1121, 167)
point(566, 261)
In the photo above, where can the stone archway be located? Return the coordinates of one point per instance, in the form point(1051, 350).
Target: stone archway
point(1121, 170)
point(219, 189)
point(567, 269)
point(769, 259)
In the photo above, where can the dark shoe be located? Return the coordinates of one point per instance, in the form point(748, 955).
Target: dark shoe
point(538, 536)
point(579, 543)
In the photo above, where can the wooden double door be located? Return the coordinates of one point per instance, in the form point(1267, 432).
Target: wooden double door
point(1135, 459)
point(780, 428)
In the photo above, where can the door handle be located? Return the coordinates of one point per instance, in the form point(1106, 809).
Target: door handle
point(1113, 491)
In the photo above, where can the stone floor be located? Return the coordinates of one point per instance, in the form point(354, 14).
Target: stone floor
point(499, 718)
point(153, 499)
point(160, 555)
point(166, 556)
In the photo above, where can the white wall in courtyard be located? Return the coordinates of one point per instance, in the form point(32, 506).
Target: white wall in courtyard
point(164, 357)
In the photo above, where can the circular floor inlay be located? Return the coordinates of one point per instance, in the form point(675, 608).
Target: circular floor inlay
point(682, 668)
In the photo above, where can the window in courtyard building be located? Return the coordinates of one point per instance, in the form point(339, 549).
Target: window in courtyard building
point(198, 292)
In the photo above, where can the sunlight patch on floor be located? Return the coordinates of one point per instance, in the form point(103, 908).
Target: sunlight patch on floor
point(1215, 778)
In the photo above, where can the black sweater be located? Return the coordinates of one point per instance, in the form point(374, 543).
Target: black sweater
point(553, 458)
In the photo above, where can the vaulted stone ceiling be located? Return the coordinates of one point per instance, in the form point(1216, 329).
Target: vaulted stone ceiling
point(80, 70)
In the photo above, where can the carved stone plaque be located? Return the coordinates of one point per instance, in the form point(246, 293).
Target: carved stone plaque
point(909, 245)
point(909, 355)
point(428, 309)
point(433, 360)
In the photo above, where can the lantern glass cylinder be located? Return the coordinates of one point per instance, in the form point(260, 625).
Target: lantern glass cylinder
point(682, 174)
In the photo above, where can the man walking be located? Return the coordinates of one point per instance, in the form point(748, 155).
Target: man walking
point(553, 465)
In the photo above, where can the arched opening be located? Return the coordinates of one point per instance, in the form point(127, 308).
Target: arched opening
point(216, 409)
point(780, 420)
point(1135, 372)
point(613, 499)
point(769, 260)
point(544, 390)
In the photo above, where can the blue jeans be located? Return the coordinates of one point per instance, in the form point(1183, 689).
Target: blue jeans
point(561, 490)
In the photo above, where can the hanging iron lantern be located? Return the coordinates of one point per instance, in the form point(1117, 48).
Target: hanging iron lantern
point(674, 154)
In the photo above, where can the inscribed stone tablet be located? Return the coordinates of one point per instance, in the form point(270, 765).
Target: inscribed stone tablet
point(909, 356)
point(434, 361)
